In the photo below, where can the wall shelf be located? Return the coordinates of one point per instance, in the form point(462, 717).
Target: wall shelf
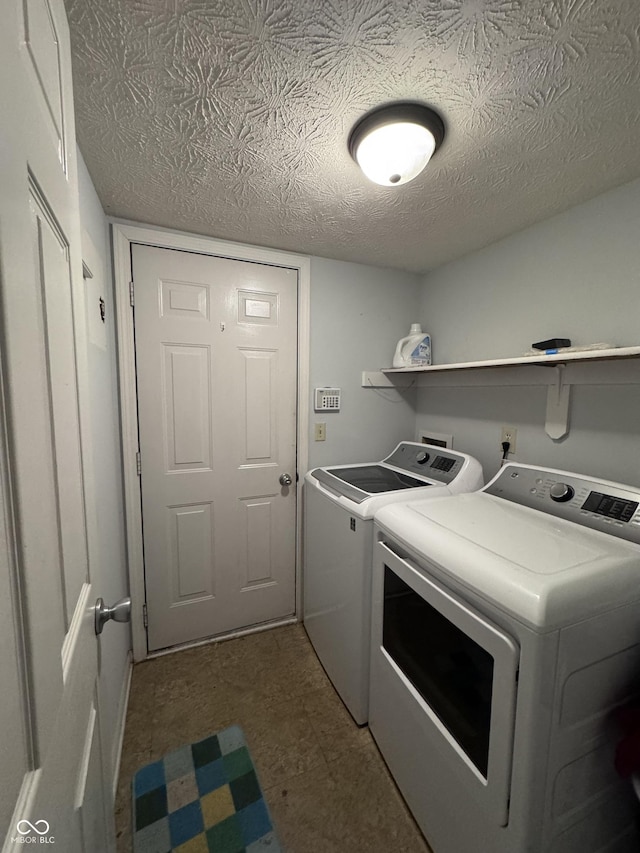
point(618, 366)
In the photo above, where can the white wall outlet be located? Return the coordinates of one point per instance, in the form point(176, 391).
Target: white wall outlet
point(320, 432)
point(509, 434)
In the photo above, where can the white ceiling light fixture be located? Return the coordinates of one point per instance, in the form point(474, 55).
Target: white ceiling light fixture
point(392, 144)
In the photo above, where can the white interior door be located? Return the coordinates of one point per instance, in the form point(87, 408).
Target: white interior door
point(53, 783)
point(216, 351)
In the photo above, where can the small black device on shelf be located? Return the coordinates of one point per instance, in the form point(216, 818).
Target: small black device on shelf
point(552, 343)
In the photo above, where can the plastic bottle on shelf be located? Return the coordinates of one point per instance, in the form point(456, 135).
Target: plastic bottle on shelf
point(414, 350)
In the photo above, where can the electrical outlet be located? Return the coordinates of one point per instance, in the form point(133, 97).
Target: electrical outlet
point(320, 433)
point(510, 434)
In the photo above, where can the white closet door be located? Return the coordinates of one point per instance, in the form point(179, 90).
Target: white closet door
point(216, 358)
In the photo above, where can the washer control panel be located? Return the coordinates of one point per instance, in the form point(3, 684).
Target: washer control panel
point(610, 507)
point(427, 460)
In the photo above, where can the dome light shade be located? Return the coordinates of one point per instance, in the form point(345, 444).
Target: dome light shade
point(393, 144)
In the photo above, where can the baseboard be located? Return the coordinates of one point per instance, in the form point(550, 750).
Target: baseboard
point(232, 635)
point(122, 718)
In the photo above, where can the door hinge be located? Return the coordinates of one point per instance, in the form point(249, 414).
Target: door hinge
point(145, 616)
point(138, 464)
point(131, 293)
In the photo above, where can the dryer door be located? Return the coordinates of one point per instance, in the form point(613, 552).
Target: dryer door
point(461, 674)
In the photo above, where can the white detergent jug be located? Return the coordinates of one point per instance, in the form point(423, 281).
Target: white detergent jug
point(414, 350)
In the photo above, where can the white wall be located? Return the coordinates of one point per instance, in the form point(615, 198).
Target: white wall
point(110, 576)
point(358, 313)
point(576, 275)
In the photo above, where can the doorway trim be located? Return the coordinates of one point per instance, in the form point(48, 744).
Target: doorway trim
point(124, 234)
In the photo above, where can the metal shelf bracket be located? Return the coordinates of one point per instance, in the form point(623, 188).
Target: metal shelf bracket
point(558, 399)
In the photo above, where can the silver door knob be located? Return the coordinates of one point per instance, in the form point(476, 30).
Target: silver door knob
point(285, 479)
point(120, 612)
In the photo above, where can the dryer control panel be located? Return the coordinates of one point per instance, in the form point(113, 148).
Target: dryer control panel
point(612, 508)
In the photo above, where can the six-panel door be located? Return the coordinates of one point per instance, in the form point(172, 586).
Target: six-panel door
point(216, 372)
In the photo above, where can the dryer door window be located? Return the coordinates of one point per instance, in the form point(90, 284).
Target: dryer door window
point(459, 667)
point(452, 673)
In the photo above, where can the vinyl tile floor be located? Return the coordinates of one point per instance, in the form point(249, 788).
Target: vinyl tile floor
point(326, 785)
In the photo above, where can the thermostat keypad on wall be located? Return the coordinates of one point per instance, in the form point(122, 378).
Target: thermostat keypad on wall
point(327, 400)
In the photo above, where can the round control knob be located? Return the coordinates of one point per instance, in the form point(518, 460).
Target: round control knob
point(561, 492)
point(422, 457)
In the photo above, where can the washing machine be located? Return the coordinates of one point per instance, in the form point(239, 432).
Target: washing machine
point(505, 634)
point(339, 503)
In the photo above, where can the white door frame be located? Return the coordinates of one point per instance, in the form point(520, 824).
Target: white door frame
point(124, 234)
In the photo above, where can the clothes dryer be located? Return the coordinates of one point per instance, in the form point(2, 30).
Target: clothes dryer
point(505, 633)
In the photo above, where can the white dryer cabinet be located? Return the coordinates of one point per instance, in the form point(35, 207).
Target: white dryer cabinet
point(505, 634)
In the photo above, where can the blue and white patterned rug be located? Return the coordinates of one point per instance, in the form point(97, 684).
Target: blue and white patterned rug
point(202, 798)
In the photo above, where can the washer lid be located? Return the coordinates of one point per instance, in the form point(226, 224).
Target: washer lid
point(373, 479)
point(411, 465)
point(543, 570)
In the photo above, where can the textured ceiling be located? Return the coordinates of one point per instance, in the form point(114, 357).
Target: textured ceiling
point(230, 117)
